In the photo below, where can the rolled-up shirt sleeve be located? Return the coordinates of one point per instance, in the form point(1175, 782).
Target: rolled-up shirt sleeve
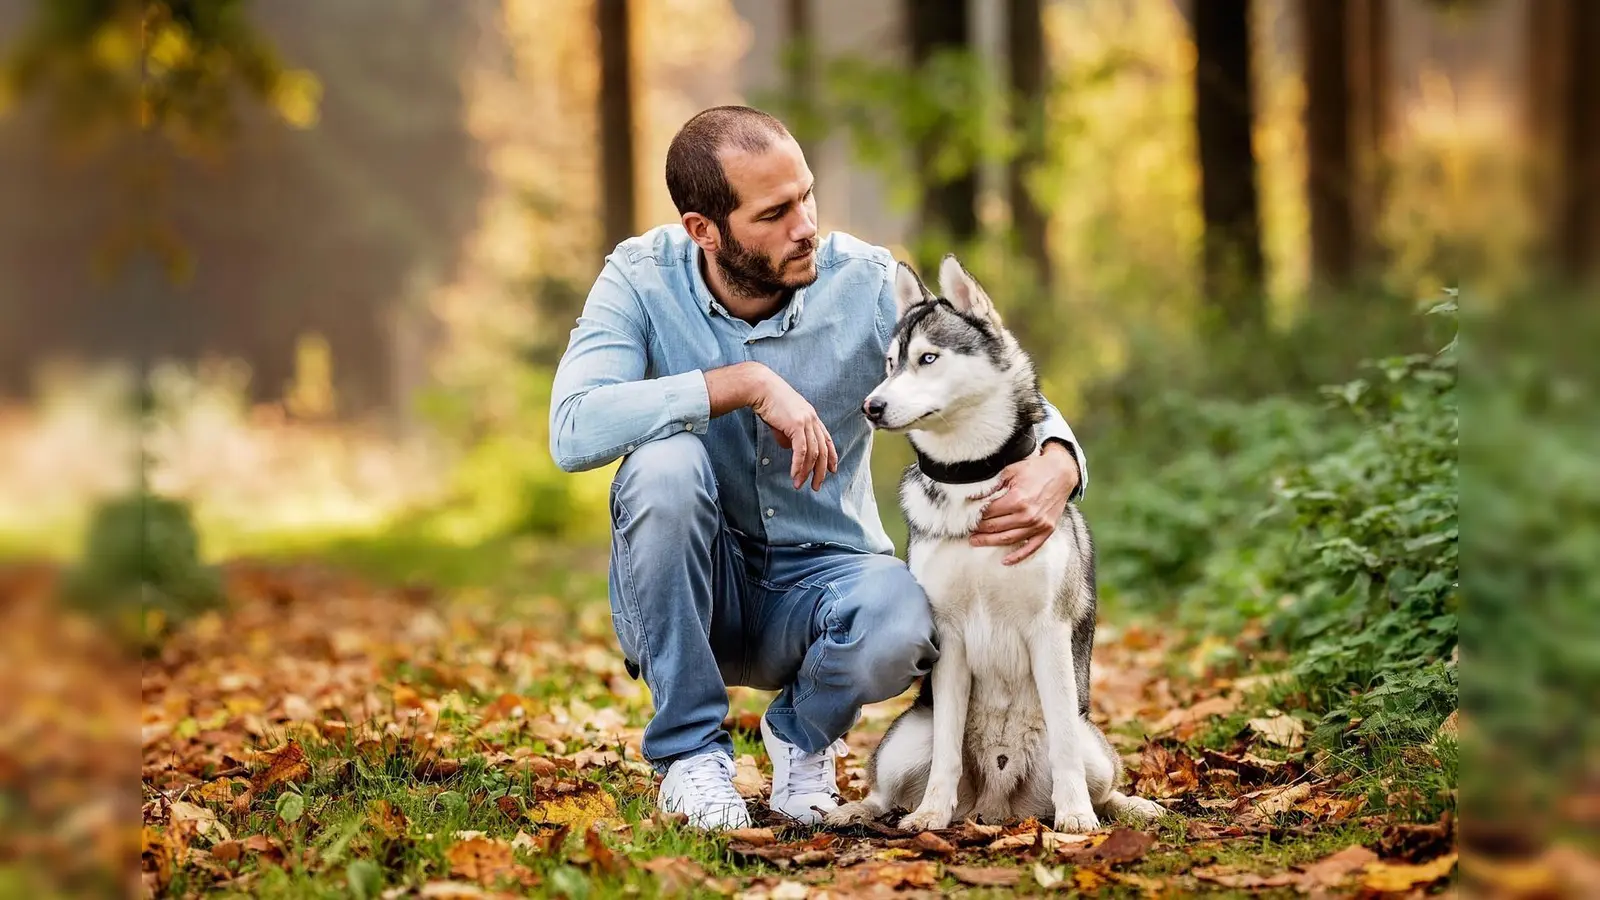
point(1055, 427)
point(601, 404)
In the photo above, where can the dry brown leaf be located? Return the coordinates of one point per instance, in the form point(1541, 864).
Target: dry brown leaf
point(1185, 720)
point(1332, 870)
point(600, 855)
point(481, 859)
point(893, 875)
point(1395, 877)
point(1122, 845)
point(1233, 877)
point(929, 842)
point(758, 837)
point(1048, 878)
point(675, 874)
point(387, 819)
point(985, 876)
point(1282, 731)
point(747, 778)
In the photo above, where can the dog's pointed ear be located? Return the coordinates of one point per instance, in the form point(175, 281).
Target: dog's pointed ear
point(958, 286)
point(908, 290)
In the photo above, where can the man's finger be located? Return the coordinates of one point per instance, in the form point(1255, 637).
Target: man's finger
point(824, 449)
point(833, 452)
point(1009, 522)
point(1027, 550)
point(797, 465)
point(1001, 539)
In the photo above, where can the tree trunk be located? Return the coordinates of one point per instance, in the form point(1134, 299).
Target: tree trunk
point(1580, 246)
point(949, 208)
point(1330, 182)
point(802, 73)
point(1025, 42)
point(1228, 200)
point(1370, 93)
point(618, 202)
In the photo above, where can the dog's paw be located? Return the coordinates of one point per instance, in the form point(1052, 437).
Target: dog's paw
point(1140, 809)
point(925, 820)
point(850, 814)
point(1076, 823)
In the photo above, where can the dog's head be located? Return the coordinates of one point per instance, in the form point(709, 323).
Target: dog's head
point(949, 357)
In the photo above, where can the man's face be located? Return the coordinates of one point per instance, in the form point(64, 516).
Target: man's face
point(770, 243)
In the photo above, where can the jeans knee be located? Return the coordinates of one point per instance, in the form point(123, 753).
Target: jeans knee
point(672, 474)
point(898, 639)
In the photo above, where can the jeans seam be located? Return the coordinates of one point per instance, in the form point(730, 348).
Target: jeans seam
point(809, 673)
point(630, 601)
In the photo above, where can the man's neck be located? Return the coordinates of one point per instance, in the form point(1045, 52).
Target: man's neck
point(741, 305)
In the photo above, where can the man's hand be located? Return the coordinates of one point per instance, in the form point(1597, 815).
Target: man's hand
point(1036, 491)
point(796, 426)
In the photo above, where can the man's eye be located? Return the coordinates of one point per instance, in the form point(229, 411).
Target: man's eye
point(928, 358)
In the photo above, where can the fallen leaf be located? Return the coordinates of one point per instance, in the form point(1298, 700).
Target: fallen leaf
point(1122, 845)
point(1089, 879)
point(600, 856)
point(1395, 877)
point(1280, 730)
point(985, 876)
point(481, 859)
point(1185, 720)
point(287, 765)
point(1412, 843)
point(758, 837)
point(387, 819)
point(1332, 870)
point(578, 804)
point(675, 874)
point(747, 778)
point(932, 843)
point(1048, 878)
point(1165, 773)
point(1233, 877)
point(893, 875)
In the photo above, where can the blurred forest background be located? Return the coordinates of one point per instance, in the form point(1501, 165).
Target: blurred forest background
point(303, 269)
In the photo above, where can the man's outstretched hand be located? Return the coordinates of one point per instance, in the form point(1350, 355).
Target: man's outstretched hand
point(1035, 494)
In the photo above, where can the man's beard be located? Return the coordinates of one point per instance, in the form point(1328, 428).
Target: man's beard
point(750, 274)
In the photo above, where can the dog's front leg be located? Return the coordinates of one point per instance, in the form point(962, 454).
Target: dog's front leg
point(1050, 651)
point(952, 686)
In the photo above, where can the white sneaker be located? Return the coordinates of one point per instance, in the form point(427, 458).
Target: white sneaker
point(701, 787)
point(803, 785)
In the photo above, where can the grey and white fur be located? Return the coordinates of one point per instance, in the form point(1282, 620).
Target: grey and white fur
point(1000, 730)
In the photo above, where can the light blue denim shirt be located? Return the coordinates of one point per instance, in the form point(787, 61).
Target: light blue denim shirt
point(632, 373)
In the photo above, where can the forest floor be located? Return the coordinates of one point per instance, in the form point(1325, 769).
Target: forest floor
point(331, 735)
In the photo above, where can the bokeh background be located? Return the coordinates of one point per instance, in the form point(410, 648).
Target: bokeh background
point(289, 280)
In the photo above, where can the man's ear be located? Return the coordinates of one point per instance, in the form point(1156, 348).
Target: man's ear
point(702, 231)
point(908, 290)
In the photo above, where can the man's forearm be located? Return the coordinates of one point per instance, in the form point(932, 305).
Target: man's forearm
point(736, 386)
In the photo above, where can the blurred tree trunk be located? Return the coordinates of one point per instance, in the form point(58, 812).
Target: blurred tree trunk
point(1029, 73)
point(802, 70)
point(950, 207)
point(1228, 199)
point(617, 199)
point(1564, 117)
point(1330, 176)
point(1370, 92)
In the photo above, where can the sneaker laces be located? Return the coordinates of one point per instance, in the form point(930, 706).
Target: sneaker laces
point(808, 772)
point(710, 776)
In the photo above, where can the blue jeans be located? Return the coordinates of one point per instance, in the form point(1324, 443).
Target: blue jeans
point(698, 607)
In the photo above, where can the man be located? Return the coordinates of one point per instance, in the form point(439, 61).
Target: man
point(725, 359)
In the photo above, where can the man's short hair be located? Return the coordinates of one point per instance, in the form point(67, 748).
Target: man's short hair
point(695, 177)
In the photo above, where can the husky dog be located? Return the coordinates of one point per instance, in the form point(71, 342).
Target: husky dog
point(1004, 731)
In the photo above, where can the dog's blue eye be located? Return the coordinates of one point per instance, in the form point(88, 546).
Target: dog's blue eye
point(928, 358)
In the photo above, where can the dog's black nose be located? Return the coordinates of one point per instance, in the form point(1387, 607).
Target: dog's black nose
point(874, 408)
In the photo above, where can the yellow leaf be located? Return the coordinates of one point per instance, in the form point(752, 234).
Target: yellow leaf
point(579, 808)
point(1396, 877)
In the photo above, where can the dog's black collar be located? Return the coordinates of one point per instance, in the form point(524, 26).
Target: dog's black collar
point(1019, 447)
